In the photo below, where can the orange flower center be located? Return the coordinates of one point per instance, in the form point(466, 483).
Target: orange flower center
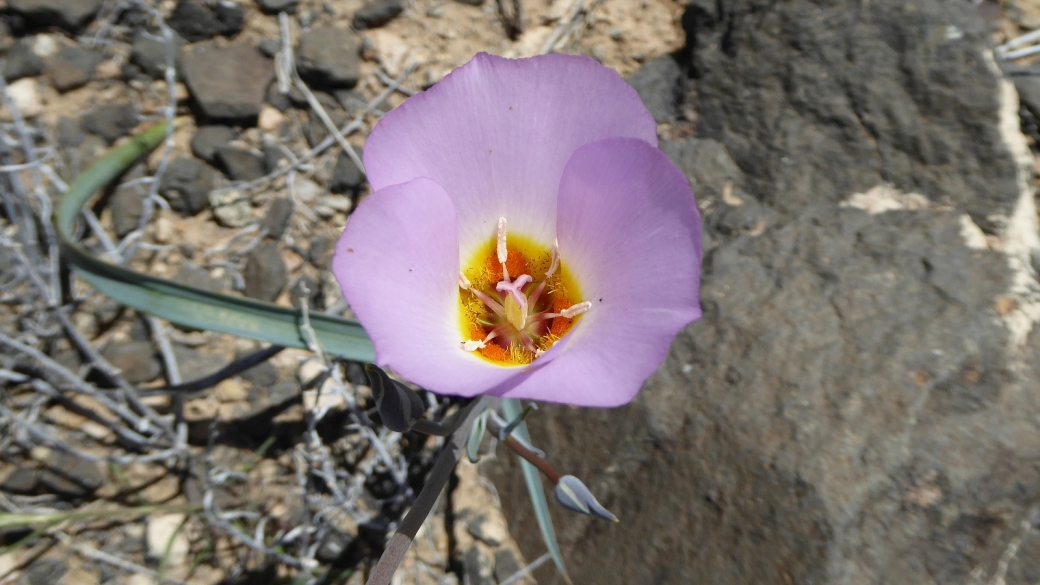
point(513, 311)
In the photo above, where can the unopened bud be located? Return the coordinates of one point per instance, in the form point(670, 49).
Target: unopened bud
point(572, 494)
point(398, 405)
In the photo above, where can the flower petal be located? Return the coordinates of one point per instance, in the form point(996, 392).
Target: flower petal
point(496, 134)
point(630, 233)
point(398, 265)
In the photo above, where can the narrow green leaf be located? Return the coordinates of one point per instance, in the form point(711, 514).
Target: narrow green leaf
point(476, 435)
point(183, 304)
point(511, 410)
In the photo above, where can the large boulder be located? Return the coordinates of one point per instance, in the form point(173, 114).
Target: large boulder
point(860, 401)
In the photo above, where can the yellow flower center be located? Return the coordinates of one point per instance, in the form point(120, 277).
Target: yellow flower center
point(516, 300)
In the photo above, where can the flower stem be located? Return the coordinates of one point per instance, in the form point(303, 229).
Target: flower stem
point(533, 458)
point(438, 478)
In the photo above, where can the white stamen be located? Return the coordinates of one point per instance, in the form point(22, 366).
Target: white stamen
point(503, 253)
point(473, 345)
point(538, 353)
point(575, 310)
point(464, 282)
point(555, 259)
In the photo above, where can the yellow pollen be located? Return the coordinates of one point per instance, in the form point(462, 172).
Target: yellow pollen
point(520, 330)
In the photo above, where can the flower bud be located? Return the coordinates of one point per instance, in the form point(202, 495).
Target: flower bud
point(398, 405)
point(572, 494)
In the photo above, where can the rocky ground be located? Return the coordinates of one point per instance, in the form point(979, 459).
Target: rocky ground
point(270, 479)
point(858, 404)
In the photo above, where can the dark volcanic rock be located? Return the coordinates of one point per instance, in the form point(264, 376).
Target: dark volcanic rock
point(327, 56)
point(196, 21)
point(70, 476)
point(20, 61)
point(110, 121)
point(273, 157)
point(854, 406)
point(72, 67)
point(659, 86)
point(376, 13)
point(319, 251)
point(71, 15)
point(186, 185)
point(276, 6)
point(239, 164)
point(127, 209)
point(265, 272)
point(208, 138)
point(877, 91)
point(269, 47)
point(346, 176)
point(277, 218)
point(136, 359)
point(228, 83)
point(149, 52)
point(70, 133)
point(21, 481)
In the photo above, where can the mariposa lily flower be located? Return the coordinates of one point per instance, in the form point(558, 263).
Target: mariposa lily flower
point(525, 237)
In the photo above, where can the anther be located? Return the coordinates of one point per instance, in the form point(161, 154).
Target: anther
point(473, 345)
point(503, 253)
point(575, 310)
point(555, 259)
point(464, 282)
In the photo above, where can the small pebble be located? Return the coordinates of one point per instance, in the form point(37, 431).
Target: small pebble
point(270, 119)
point(230, 390)
point(165, 539)
point(25, 93)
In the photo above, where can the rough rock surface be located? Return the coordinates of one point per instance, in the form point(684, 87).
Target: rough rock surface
point(265, 273)
point(239, 164)
point(20, 61)
point(149, 51)
point(71, 15)
point(327, 56)
point(186, 185)
point(276, 6)
point(658, 86)
point(346, 176)
point(110, 121)
point(73, 67)
point(376, 13)
point(196, 21)
point(208, 138)
point(136, 359)
point(228, 83)
point(854, 406)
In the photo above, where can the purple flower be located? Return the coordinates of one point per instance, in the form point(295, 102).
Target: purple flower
point(525, 237)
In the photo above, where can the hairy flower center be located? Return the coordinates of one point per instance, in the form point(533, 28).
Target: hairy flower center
point(517, 299)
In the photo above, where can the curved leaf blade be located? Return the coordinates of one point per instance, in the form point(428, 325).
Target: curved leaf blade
point(183, 304)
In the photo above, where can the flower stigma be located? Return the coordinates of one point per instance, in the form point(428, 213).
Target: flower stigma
point(516, 299)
